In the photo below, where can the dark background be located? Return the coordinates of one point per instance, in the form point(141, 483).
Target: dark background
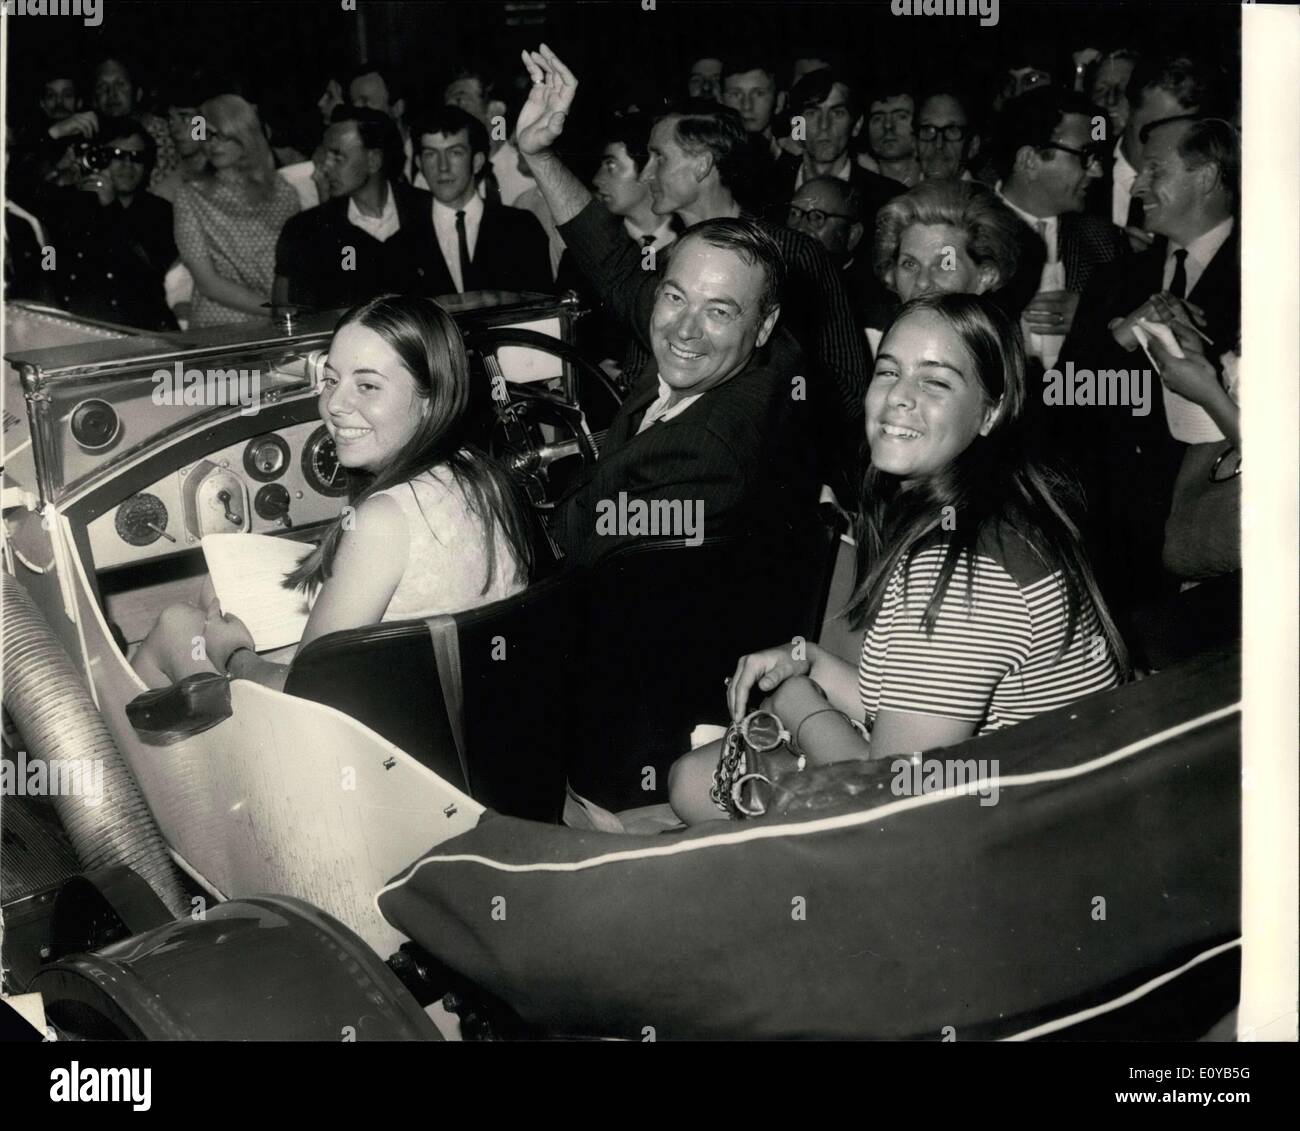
point(282, 51)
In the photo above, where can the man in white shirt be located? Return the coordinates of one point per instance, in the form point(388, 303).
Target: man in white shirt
point(1047, 160)
point(484, 244)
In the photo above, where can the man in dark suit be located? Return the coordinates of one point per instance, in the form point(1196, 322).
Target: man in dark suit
point(370, 237)
point(1046, 161)
point(828, 115)
point(1159, 87)
point(716, 423)
point(477, 244)
point(1188, 186)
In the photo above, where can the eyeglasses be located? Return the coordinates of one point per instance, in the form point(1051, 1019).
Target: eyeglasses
point(130, 156)
point(816, 217)
point(950, 133)
point(1087, 157)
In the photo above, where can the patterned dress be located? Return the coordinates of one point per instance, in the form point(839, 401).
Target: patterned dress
point(237, 234)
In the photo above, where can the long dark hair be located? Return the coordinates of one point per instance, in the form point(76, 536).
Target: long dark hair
point(994, 488)
point(428, 343)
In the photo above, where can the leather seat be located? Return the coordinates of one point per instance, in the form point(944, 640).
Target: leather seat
point(590, 675)
point(480, 697)
point(666, 624)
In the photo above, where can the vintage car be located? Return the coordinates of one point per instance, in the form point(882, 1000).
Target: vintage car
point(384, 835)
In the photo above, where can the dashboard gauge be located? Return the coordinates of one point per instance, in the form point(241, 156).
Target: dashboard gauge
point(272, 502)
point(142, 520)
point(95, 425)
point(266, 457)
point(321, 467)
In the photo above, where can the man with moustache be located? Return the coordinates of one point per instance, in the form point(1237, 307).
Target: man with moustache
point(711, 420)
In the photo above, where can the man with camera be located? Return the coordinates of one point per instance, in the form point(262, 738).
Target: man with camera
point(112, 240)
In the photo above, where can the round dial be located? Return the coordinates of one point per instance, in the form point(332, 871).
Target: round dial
point(141, 520)
point(271, 502)
point(320, 465)
point(266, 457)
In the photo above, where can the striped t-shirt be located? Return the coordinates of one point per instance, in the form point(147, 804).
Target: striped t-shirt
point(992, 662)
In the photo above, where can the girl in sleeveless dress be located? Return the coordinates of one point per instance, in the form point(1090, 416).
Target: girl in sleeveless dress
point(432, 524)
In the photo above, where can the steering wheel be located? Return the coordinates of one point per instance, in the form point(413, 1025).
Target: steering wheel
point(535, 429)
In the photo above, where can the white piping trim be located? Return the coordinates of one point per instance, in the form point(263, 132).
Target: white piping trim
point(1125, 999)
point(826, 824)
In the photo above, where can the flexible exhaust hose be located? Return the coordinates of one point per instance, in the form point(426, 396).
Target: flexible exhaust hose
point(52, 708)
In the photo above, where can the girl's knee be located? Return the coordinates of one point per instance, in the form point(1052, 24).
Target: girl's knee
point(690, 779)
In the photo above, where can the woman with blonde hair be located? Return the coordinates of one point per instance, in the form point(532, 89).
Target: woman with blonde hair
point(228, 219)
point(948, 237)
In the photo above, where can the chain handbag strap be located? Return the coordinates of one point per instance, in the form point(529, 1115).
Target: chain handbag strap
point(739, 776)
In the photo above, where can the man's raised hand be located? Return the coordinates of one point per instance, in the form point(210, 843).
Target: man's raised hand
point(541, 121)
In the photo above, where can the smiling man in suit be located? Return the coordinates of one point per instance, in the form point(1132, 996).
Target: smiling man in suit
point(1046, 160)
point(717, 421)
point(1188, 186)
point(478, 244)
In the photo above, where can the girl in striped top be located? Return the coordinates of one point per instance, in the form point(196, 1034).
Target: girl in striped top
point(981, 608)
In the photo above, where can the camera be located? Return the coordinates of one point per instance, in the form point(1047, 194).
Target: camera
point(91, 156)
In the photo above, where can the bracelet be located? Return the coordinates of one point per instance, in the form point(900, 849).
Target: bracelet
point(811, 715)
point(241, 648)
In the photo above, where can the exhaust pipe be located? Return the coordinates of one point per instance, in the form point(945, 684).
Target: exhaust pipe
point(52, 708)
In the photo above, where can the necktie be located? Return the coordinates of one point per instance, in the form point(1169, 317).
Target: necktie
point(1136, 213)
point(462, 248)
point(1047, 247)
point(1178, 284)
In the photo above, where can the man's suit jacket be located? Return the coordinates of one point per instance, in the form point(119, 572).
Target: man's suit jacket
point(1083, 243)
point(311, 251)
point(874, 190)
point(510, 254)
point(743, 449)
point(1128, 463)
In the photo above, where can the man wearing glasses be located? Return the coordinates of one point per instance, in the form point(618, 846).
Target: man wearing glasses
point(829, 210)
point(828, 113)
point(1046, 159)
point(946, 142)
point(113, 239)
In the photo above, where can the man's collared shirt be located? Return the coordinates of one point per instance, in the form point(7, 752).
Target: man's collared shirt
point(380, 227)
point(1199, 253)
point(842, 171)
point(1045, 347)
point(444, 225)
point(1122, 177)
point(659, 410)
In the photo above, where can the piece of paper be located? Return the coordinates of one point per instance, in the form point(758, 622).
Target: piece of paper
point(248, 573)
point(1188, 421)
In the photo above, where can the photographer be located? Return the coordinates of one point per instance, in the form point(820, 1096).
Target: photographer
point(113, 239)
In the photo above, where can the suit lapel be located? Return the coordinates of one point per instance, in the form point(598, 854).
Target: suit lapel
point(623, 428)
